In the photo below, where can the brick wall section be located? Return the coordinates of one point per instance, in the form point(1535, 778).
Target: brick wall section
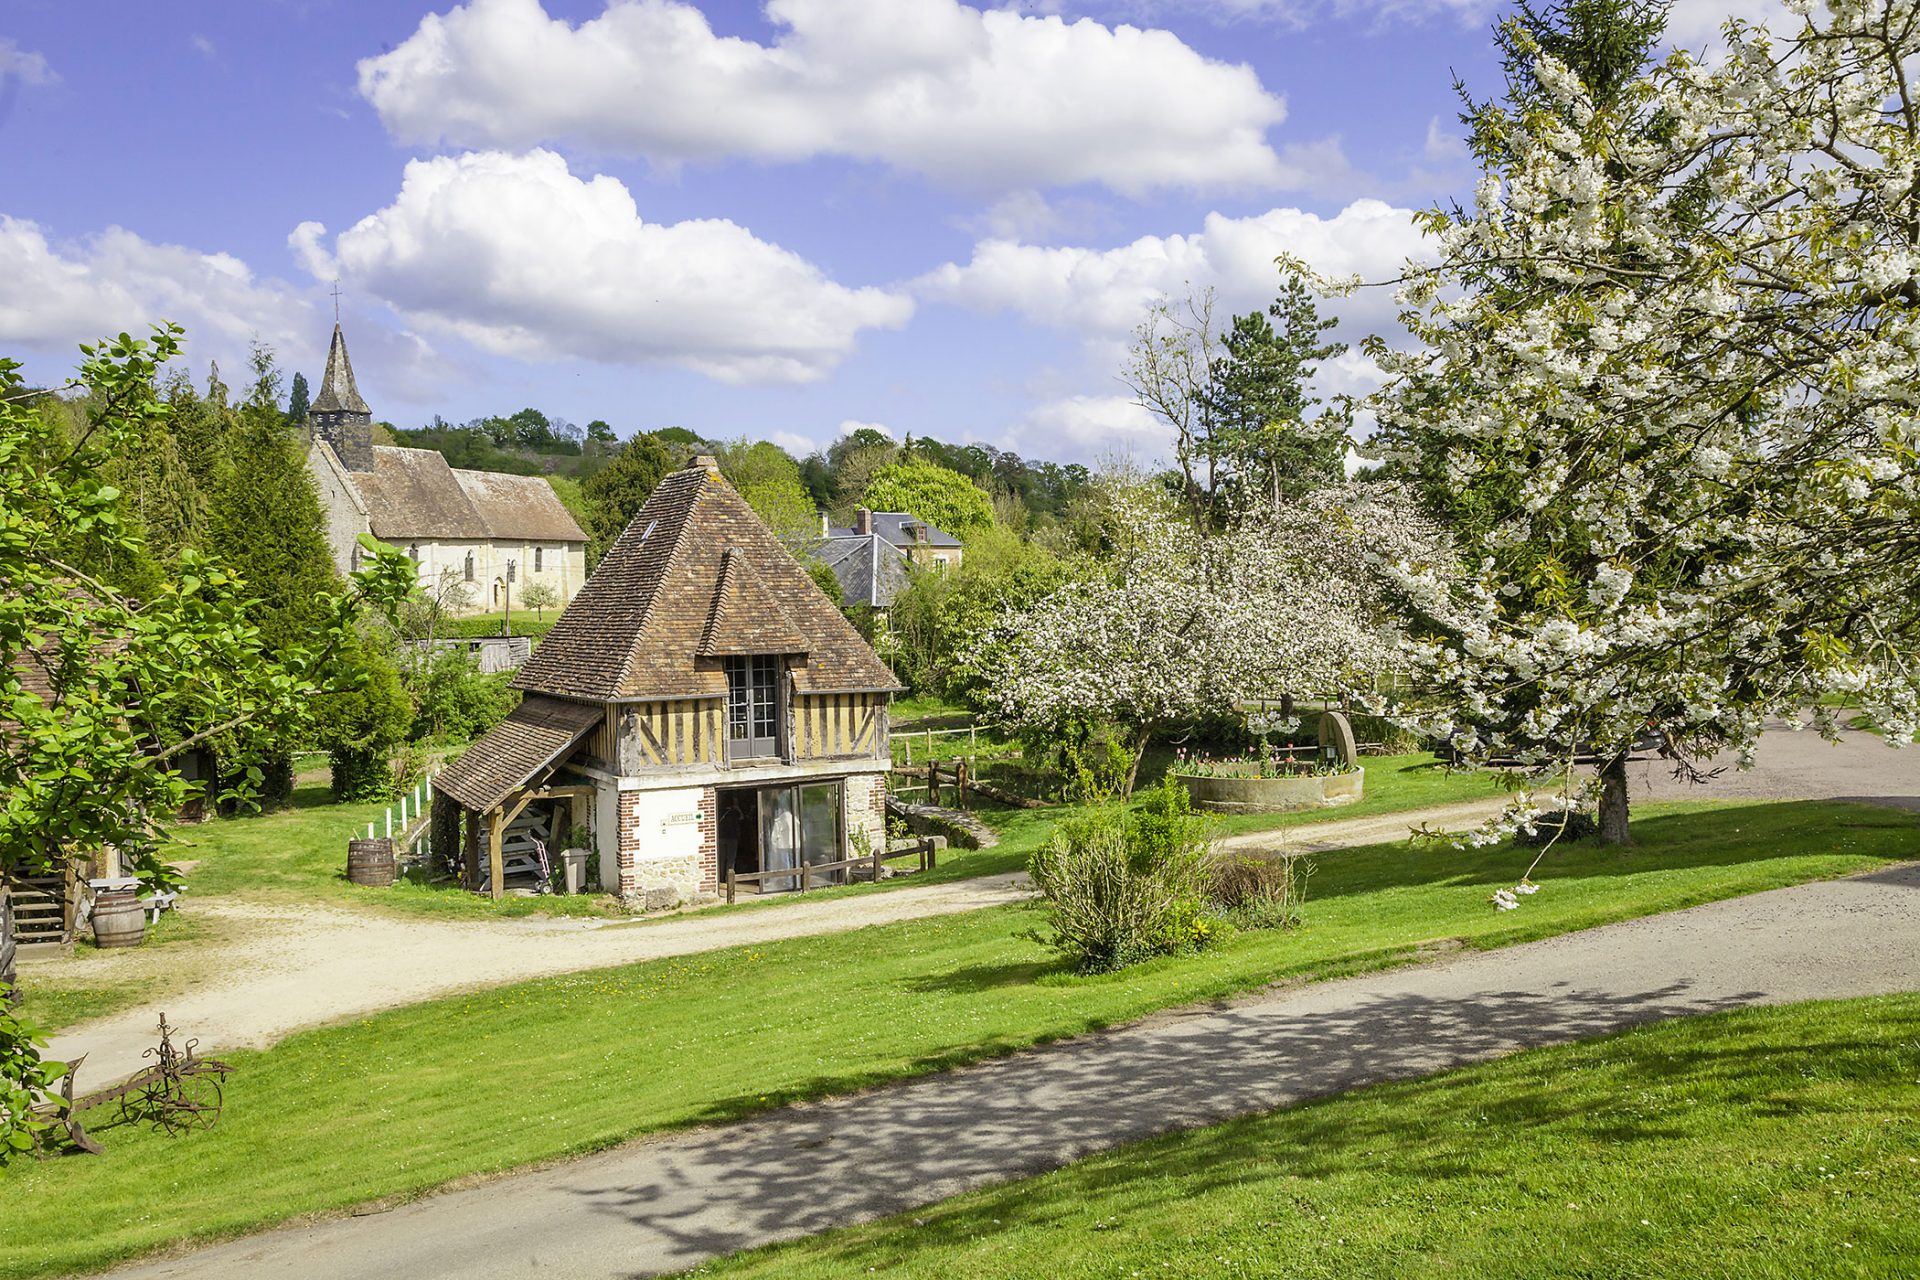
point(709, 841)
point(629, 843)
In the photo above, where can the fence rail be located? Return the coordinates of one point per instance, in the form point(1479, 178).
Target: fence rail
point(926, 848)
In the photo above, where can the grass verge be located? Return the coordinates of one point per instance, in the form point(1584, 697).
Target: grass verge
point(390, 1106)
point(1769, 1144)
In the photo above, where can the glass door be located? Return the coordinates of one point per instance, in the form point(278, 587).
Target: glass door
point(820, 826)
point(779, 837)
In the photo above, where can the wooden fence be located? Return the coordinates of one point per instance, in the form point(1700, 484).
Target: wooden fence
point(926, 848)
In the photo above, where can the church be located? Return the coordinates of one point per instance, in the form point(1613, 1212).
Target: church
point(479, 537)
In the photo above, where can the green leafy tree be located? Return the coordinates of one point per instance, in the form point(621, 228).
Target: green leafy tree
point(599, 433)
point(540, 596)
point(363, 723)
point(102, 692)
point(945, 499)
point(267, 524)
point(618, 490)
point(297, 401)
point(1260, 440)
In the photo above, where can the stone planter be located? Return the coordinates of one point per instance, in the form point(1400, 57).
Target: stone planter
point(1273, 795)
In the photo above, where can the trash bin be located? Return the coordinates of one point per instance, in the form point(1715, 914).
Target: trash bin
point(573, 865)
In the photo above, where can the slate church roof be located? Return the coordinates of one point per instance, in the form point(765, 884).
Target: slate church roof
point(338, 391)
point(696, 576)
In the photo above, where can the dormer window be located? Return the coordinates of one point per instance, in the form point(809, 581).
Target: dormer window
point(753, 708)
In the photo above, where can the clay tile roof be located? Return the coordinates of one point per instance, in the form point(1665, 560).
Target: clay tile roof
point(533, 736)
point(664, 598)
point(524, 507)
point(744, 617)
point(413, 493)
point(337, 389)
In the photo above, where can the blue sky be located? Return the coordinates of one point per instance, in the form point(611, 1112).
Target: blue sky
point(769, 220)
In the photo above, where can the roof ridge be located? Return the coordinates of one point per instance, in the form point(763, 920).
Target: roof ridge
point(673, 557)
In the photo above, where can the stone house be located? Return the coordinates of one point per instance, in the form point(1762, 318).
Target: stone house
point(700, 706)
point(915, 540)
point(484, 534)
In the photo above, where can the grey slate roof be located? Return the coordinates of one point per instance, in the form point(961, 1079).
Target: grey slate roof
point(413, 493)
point(696, 575)
point(338, 393)
point(897, 528)
point(871, 570)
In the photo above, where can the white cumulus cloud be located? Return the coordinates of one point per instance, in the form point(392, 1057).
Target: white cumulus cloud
point(1105, 293)
point(522, 258)
point(982, 100)
point(54, 295)
point(1095, 426)
point(24, 64)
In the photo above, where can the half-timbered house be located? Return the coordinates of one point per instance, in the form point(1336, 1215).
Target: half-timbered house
point(700, 706)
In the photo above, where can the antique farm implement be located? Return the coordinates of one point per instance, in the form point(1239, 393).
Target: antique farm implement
point(181, 1091)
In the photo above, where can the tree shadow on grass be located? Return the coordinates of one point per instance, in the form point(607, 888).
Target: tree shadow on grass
point(1720, 837)
point(811, 1168)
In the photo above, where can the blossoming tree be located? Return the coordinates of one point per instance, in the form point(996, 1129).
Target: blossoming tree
point(1671, 350)
point(1176, 623)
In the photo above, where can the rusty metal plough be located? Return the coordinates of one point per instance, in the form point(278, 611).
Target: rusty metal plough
point(180, 1092)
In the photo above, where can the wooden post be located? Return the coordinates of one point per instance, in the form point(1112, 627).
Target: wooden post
point(933, 782)
point(960, 771)
point(729, 886)
point(496, 864)
point(806, 877)
point(877, 850)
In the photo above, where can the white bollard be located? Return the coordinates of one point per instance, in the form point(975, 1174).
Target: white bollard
point(369, 831)
point(389, 822)
point(403, 813)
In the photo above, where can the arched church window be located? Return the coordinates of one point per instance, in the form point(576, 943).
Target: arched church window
point(469, 566)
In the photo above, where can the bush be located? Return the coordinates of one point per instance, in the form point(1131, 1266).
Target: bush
point(453, 702)
point(1259, 893)
point(1558, 827)
point(1123, 887)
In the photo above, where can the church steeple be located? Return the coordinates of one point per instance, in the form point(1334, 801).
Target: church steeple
point(338, 415)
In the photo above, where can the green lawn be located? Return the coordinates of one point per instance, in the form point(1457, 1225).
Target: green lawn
point(392, 1105)
point(1769, 1144)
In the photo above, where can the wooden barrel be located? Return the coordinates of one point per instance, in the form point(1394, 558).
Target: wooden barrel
point(370, 862)
point(118, 920)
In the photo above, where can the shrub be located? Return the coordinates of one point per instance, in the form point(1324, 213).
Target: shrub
point(1122, 887)
point(1259, 893)
point(453, 702)
point(1558, 827)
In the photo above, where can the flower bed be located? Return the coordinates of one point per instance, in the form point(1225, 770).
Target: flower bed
point(1252, 792)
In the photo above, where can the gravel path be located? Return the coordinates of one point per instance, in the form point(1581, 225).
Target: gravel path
point(287, 967)
point(666, 1204)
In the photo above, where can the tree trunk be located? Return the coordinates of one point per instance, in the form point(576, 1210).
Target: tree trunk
point(8, 996)
point(1613, 801)
point(1139, 750)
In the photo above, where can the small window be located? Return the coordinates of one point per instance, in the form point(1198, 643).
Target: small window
point(413, 552)
point(469, 566)
point(536, 559)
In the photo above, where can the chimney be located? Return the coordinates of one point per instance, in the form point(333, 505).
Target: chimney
point(705, 462)
point(826, 526)
point(863, 522)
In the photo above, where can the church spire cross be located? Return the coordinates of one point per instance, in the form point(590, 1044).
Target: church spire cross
point(336, 302)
